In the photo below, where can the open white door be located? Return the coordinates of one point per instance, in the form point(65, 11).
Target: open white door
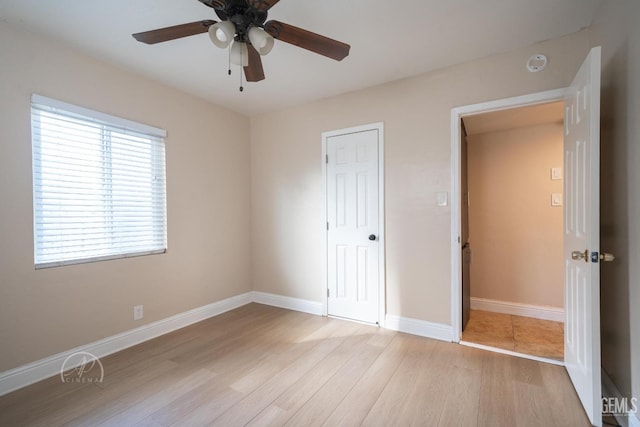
point(582, 235)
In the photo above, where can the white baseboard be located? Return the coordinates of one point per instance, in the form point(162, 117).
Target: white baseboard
point(296, 304)
point(609, 389)
point(50, 366)
point(527, 310)
point(395, 323)
point(422, 328)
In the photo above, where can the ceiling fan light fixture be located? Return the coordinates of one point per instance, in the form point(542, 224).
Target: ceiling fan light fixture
point(239, 54)
point(243, 29)
point(222, 33)
point(261, 40)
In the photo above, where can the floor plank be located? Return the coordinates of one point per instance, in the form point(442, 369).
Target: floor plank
point(353, 409)
point(265, 366)
point(398, 395)
point(314, 411)
point(314, 349)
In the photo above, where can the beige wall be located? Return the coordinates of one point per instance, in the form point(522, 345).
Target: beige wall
point(616, 30)
point(286, 174)
point(47, 311)
point(211, 210)
point(515, 233)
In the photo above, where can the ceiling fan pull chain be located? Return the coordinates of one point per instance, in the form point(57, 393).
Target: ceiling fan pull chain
point(229, 59)
point(241, 62)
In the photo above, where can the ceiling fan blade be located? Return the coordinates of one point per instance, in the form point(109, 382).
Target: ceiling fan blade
point(262, 5)
point(216, 4)
point(254, 71)
point(307, 40)
point(175, 32)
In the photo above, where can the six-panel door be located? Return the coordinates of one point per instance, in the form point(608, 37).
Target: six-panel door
point(352, 212)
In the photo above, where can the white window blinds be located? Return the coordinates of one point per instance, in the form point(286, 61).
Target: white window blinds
point(99, 187)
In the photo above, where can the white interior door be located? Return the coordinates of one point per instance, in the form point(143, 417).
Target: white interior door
point(352, 229)
point(582, 235)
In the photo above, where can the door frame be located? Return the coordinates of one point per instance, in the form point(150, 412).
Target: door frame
point(379, 127)
point(457, 114)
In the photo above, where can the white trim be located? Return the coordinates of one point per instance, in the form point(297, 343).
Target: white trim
point(325, 238)
point(54, 264)
point(609, 389)
point(50, 366)
point(517, 309)
point(296, 304)
point(45, 368)
point(512, 353)
point(97, 115)
point(421, 328)
point(456, 221)
point(381, 219)
point(382, 256)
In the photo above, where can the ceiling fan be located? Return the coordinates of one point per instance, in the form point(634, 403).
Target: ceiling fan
point(243, 27)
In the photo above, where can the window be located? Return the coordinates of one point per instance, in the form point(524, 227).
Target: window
point(99, 187)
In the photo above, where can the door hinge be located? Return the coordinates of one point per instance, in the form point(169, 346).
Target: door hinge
point(327, 225)
point(326, 158)
point(328, 293)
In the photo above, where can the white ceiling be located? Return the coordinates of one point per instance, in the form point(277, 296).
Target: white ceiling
point(389, 40)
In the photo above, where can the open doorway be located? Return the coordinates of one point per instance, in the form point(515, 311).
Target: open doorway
point(460, 297)
point(581, 242)
point(512, 231)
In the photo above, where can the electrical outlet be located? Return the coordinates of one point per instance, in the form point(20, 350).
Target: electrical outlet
point(138, 312)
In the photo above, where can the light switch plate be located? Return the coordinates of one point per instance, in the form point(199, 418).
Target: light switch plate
point(443, 198)
point(556, 173)
point(556, 199)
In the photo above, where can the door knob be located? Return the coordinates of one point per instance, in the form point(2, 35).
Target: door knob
point(607, 257)
point(372, 237)
point(577, 255)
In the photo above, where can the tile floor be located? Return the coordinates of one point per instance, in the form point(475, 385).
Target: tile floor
point(536, 337)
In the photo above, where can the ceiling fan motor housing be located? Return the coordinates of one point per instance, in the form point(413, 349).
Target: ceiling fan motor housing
point(244, 15)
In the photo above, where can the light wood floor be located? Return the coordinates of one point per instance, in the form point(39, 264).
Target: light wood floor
point(536, 337)
point(260, 365)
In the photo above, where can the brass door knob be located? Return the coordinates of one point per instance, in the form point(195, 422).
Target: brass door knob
point(607, 257)
point(577, 255)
